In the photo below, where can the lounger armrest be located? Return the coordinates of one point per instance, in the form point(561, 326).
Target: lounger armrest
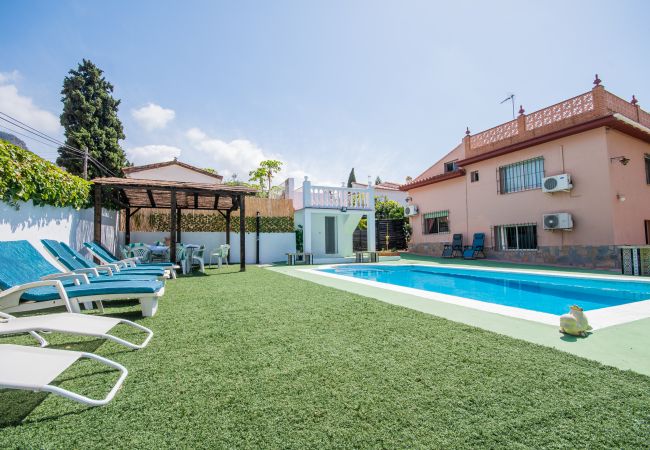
point(106, 269)
point(114, 268)
point(78, 278)
point(34, 284)
point(94, 272)
point(130, 262)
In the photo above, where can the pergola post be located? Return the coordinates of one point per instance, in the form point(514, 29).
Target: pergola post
point(242, 233)
point(228, 233)
point(127, 226)
point(172, 223)
point(97, 219)
point(178, 226)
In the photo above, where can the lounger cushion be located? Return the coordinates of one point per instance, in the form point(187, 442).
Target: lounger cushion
point(105, 254)
point(126, 272)
point(46, 293)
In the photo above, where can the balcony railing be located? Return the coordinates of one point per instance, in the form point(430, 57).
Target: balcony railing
point(577, 110)
point(333, 197)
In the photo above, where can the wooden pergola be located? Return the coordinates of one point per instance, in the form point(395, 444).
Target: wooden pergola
point(131, 194)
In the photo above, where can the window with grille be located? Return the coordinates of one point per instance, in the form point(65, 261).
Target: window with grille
point(474, 176)
point(521, 176)
point(436, 222)
point(516, 237)
point(647, 168)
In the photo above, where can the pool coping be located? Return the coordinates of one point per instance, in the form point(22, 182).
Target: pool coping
point(598, 318)
point(621, 346)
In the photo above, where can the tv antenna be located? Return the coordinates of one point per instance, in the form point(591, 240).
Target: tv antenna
point(510, 97)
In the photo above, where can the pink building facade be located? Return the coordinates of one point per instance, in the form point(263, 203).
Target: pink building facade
point(493, 183)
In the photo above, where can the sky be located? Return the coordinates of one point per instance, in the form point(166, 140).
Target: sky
point(385, 87)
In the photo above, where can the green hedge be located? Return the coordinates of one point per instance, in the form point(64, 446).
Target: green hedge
point(216, 222)
point(25, 176)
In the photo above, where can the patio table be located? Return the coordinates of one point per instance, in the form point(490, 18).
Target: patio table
point(189, 249)
point(159, 252)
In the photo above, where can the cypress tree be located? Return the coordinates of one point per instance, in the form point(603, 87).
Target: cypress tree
point(90, 120)
point(351, 178)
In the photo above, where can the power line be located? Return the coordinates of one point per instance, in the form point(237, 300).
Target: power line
point(33, 130)
point(29, 129)
point(28, 136)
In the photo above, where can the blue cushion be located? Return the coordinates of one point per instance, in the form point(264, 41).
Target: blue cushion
point(108, 256)
point(150, 271)
point(21, 263)
point(119, 287)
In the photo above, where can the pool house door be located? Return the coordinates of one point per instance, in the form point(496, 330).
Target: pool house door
point(330, 235)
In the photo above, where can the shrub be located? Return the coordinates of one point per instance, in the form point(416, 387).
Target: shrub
point(25, 176)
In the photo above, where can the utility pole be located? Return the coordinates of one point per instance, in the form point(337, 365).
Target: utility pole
point(85, 149)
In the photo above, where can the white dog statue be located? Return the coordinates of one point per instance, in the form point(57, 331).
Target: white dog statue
point(574, 322)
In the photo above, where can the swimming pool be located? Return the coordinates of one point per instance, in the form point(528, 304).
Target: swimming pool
point(550, 294)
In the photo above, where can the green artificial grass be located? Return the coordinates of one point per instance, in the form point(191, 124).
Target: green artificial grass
point(263, 360)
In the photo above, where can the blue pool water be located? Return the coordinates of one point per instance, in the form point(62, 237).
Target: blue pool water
point(544, 293)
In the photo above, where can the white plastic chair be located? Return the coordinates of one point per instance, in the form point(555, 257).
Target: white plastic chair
point(197, 258)
point(34, 368)
point(221, 253)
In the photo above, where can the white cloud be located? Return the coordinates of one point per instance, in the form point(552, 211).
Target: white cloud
point(24, 109)
point(153, 117)
point(148, 154)
point(238, 156)
point(9, 77)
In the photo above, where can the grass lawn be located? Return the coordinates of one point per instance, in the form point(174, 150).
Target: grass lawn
point(260, 360)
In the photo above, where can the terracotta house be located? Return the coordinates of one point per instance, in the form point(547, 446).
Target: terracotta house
point(563, 185)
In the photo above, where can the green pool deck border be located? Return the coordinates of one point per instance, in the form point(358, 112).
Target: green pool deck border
point(625, 346)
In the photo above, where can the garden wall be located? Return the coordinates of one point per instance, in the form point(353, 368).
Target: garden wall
point(33, 223)
point(273, 246)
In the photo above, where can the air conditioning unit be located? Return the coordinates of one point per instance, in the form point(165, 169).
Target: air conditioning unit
point(557, 183)
point(558, 221)
point(410, 210)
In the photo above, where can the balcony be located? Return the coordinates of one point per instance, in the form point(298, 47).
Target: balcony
point(583, 108)
point(330, 197)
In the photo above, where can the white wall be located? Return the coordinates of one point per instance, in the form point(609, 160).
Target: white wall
point(273, 246)
point(33, 223)
point(173, 173)
point(346, 223)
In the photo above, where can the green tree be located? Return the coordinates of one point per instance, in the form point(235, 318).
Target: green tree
point(377, 180)
point(351, 178)
point(90, 120)
point(265, 173)
point(388, 209)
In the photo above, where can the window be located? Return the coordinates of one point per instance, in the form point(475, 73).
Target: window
point(436, 222)
point(450, 166)
point(473, 176)
point(521, 176)
point(647, 168)
point(516, 237)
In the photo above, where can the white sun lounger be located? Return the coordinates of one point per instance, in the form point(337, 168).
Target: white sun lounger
point(34, 368)
point(81, 324)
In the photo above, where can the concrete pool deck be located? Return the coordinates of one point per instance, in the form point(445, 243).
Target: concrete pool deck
point(625, 346)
